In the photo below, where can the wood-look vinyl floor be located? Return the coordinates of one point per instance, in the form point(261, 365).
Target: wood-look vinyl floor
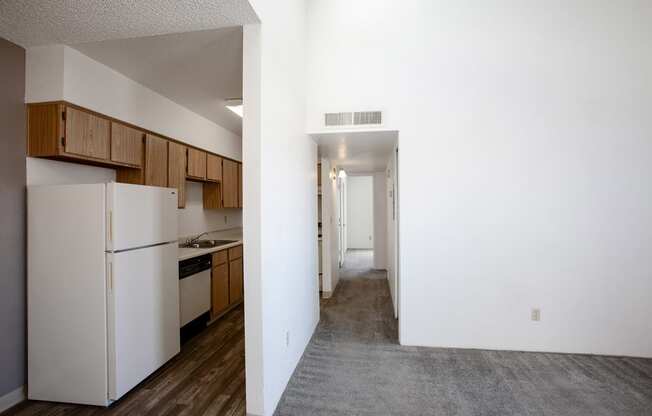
point(206, 378)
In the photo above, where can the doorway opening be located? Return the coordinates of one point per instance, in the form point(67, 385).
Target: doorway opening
point(358, 209)
point(357, 230)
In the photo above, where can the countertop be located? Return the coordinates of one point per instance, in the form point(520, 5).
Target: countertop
point(231, 234)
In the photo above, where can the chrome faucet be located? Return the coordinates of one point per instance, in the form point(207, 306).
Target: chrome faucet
point(193, 240)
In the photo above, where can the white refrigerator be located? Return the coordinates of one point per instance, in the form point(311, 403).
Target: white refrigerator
point(102, 289)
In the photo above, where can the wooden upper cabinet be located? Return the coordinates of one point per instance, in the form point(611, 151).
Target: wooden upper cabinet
point(240, 185)
point(196, 164)
point(177, 170)
point(64, 131)
point(45, 129)
point(87, 134)
point(229, 183)
point(126, 144)
point(213, 168)
point(156, 161)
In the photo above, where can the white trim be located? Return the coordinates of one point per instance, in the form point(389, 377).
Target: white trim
point(12, 398)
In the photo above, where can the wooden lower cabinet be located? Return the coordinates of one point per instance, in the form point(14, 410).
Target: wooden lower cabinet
point(235, 280)
point(220, 289)
point(227, 287)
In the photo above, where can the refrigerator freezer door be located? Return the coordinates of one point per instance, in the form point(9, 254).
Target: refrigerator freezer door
point(66, 294)
point(143, 314)
point(140, 216)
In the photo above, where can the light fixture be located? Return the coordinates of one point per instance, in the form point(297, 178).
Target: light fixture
point(332, 174)
point(235, 105)
point(342, 173)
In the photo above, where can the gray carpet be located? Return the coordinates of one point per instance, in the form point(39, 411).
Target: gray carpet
point(354, 366)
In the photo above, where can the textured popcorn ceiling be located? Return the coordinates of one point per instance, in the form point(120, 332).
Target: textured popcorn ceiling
point(41, 22)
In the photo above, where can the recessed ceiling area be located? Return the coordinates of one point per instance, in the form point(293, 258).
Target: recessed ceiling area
point(30, 23)
point(198, 70)
point(358, 152)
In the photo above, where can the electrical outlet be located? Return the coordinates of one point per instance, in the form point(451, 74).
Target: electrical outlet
point(536, 314)
point(226, 219)
point(287, 338)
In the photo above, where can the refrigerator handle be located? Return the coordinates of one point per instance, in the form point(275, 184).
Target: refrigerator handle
point(110, 225)
point(110, 276)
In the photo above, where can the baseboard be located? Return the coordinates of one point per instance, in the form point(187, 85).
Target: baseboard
point(12, 398)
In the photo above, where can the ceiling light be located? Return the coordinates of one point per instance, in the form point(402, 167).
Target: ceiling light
point(235, 105)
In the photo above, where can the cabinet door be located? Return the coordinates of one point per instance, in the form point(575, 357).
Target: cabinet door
point(177, 170)
point(220, 288)
point(156, 161)
point(196, 164)
point(235, 280)
point(240, 185)
point(229, 183)
point(87, 134)
point(213, 168)
point(126, 144)
point(45, 129)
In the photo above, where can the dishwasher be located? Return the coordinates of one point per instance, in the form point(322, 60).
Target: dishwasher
point(194, 295)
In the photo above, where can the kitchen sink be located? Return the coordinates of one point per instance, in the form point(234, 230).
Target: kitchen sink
point(206, 243)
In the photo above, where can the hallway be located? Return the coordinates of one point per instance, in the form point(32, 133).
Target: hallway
point(354, 366)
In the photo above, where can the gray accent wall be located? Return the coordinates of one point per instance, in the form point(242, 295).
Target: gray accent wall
point(12, 217)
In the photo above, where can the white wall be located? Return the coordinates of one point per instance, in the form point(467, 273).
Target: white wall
point(525, 162)
point(281, 295)
point(360, 212)
point(380, 220)
point(194, 219)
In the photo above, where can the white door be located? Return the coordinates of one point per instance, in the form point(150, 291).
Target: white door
point(360, 212)
point(341, 209)
point(140, 216)
point(143, 314)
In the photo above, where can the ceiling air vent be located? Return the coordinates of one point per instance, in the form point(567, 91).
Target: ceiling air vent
point(358, 118)
point(367, 117)
point(338, 119)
